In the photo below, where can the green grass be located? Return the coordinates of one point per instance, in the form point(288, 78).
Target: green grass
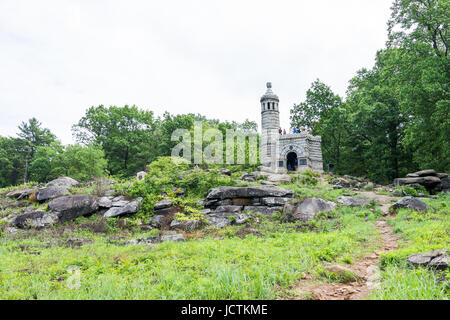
point(419, 232)
point(249, 267)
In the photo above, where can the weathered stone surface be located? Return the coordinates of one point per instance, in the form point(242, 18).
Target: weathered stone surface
point(120, 203)
point(187, 225)
point(77, 242)
point(274, 201)
point(445, 183)
point(157, 221)
point(131, 207)
point(165, 203)
point(266, 169)
point(51, 193)
point(141, 175)
point(105, 202)
point(249, 177)
point(240, 201)
point(308, 209)
point(171, 237)
point(262, 209)
point(230, 209)
point(427, 182)
point(425, 173)
point(72, 207)
point(437, 258)
point(353, 201)
point(268, 183)
point(19, 194)
point(62, 182)
point(249, 192)
point(410, 203)
point(442, 175)
point(36, 220)
point(223, 219)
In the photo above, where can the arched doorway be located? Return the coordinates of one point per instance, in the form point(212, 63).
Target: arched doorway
point(291, 161)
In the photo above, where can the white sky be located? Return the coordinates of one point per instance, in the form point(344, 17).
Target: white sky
point(58, 58)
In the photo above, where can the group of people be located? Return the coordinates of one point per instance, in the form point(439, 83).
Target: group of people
point(283, 132)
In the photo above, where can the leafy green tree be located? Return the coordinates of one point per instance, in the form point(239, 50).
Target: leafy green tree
point(126, 135)
point(84, 163)
point(48, 163)
point(35, 135)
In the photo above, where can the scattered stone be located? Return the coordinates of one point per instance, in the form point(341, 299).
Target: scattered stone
point(410, 203)
point(11, 230)
point(274, 201)
point(308, 209)
point(66, 182)
point(226, 172)
point(262, 209)
point(186, 225)
point(76, 242)
point(51, 193)
point(438, 259)
point(250, 177)
point(353, 201)
point(141, 175)
point(37, 220)
point(171, 237)
point(71, 207)
point(129, 208)
point(165, 203)
point(342, 272)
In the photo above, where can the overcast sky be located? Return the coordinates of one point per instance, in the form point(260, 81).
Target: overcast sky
point(58, 58)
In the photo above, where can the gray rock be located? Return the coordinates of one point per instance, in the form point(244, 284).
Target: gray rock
point(105, 202)
point(308, 209)
point(20, 194)
point(72, 207)
point(187, 225)
point(168, 211)
point(141, 175)
point(226, 172)
point(445, 183)
point(427, 182)
point(230, 209)
point(156, 221)
point(63, 182)
point(249, 192)
point(249, 177)
point(165, 203)
point(410, 203)
point(425, 173)
point(437, 259)
point(11, 230)
point(50, 193)
point(218, 222)
point(353, 201)
point(262, 209)
point(120, 203)
point(172, 237)
point(442, 175)
point(274, 201)
point(131, 207)
point(268, 183)
point(37, 220)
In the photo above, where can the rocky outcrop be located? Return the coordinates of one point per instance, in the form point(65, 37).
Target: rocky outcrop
point(165, 207)
point(50, 193)
point(37, 220)
point(352, 201)
point(122, 207)
point(232, 205)
point(432, 181)
point(66, 182)
point(72, 207)
point(409, 203)
point(438, 259)
point(307, 209)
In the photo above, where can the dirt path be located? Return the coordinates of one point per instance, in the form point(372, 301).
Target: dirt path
point(366, 269)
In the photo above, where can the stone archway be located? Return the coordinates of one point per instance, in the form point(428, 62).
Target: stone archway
point(291, 161)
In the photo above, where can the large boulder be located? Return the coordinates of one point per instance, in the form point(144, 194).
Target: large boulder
point(72, 207)
point(427, 182)
point(308, 209)
point(129, 208)
point(50, 193)
point(186, 225)
point(438, 259)
point(410, 203)
point(63, 182)
point(423, 173)
point(249, 192)
point(352, 201)
point(39, 219)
